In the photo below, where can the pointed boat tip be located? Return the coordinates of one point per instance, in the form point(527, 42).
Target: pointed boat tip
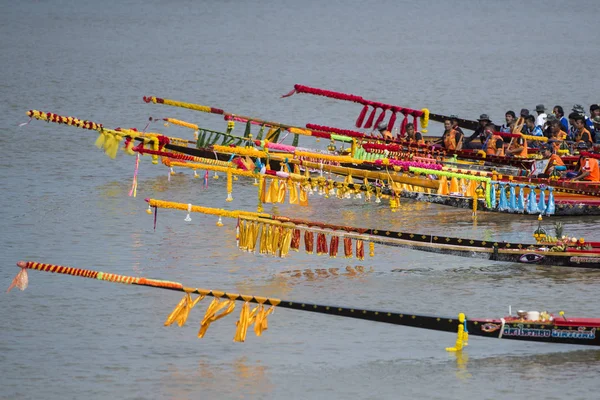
point(21, 264)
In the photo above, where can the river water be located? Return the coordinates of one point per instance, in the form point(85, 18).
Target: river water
point(64, 202)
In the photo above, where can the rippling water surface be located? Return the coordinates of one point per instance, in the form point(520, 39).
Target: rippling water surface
point(65, 202)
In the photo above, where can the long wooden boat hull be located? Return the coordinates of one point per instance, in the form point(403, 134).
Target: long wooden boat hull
point(520, 254)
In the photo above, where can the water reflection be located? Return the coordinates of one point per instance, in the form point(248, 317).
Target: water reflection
point(238, 376)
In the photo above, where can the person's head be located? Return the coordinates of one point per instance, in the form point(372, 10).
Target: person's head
point(530, 121)
point(594, 110)
point(579, 121)
point(555, 126)
point(448, 124)
point(489, 128)
point(410, 128)
point(582, 146)
point(596, 121)
point(546, 151)
point(510, 117)
point(558, 111)
point(484, 119)
point(382, 127)
point(572, 118)
point(524, 112)
point(540, 109)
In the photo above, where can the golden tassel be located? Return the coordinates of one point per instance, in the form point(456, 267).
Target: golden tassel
point(100, 140)
point(274, 190)
point(293, 192)
point(182, 310)
point(242, 235)
point(275, 239)
point(360, 249)
point(261, 194)
point(247, 318)
point(282, 191)
point(211, 314)
point(260, 323)
point(371, 249)
point(454, 185)
point(253, 236)
point(443, 187)
point(229, 185)
point(303, 201)
point(286, 240)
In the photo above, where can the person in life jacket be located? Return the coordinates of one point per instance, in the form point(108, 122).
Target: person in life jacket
point(449, 138)
point(493, 144)
point(588, 168)
point(554, 160)
point(517, 147)
point(582, 134)
point(413, 136)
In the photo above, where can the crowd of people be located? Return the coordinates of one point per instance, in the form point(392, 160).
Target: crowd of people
point(549, 133)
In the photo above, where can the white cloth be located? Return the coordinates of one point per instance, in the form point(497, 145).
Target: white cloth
point(541, 120)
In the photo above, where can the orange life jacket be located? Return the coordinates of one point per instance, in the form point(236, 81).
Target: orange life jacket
point(591, 165)
point(553, 161)
point(583, 136)
point(450, 140)
point(515, 144)
point(491, 146)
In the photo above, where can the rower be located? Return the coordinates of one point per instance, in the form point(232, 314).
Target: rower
point(459, 132)
point(557, 135)
point(413, 136)
point(588, 169)
point(582, 135)
point(494, 144)
point(382, 128)
point(555, 163)
point(483, 120)
point(449, 136)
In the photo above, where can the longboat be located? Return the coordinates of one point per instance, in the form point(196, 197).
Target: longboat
point(531, 326)
point(555, 253)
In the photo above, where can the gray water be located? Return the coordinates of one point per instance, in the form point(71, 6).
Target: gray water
point(65, 202)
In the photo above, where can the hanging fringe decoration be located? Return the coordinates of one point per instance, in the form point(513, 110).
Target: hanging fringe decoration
point(182, 310)
point(347, 247)
point(380, 118)
point(360, 250)
point(392, 121)
point(295, 244)
point(334, 246)
point(361, 116)
point(369, 123)
point(211, 314)
point(321, 244)
point(309, 241)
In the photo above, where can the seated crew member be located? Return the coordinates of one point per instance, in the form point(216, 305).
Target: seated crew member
point(413, 136)
point(383, 130)
point(582, 134)
point(469, 143)
point(553, 160)
point(588, 170)
point(517, 147)
point(494, 144)
point(560, 115)
point(449, 136)
point(459, 132)
point(557, 135)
